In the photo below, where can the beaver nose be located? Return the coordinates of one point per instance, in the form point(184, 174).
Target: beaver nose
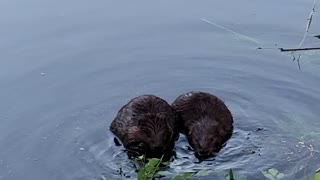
point(203, 153)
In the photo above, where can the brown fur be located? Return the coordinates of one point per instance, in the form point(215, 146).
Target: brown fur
point(206, 121)
point(146, 125)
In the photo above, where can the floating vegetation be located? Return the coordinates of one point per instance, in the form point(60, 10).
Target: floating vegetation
point(231, 174)
point(149, 170)
point(184, 176)
point(154, 168)
point(272, 174)
point(317, 175)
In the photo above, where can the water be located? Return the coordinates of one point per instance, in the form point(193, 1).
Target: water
point(68, 66)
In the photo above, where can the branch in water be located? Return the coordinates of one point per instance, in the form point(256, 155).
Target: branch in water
point(298, 49)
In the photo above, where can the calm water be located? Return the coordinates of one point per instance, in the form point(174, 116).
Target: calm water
point(67, 67)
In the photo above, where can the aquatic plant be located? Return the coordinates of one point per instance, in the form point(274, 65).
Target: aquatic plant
point(272, 174)
point(231, 174)
point(184, 176)
point(149, 170)
point(317, 175)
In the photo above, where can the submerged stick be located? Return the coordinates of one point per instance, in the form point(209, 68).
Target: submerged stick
point(298, 49)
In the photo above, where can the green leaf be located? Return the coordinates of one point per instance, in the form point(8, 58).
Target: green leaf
point(273, 171)
point(317, 36)
point(187, 175)
point(231, 175)
point(202, 172)
point(153, 162)
point(280, 176)
point(267, 175)
point(317, 176)
point(143, 174)
point(149, 170)
point(264, 172)
point(177, 177)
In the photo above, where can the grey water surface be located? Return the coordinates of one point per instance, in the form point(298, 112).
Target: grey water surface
point(66, 68)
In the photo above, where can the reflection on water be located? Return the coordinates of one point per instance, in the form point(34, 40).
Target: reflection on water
point(67, 67)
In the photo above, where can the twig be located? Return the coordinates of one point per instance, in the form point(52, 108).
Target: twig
point(298, 60)
point(298, 49)
point(309, 21)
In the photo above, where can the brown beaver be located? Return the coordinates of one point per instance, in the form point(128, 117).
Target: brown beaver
point(146, 125)
point(206, 121)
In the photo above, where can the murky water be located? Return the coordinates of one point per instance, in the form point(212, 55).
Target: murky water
point(67, 67)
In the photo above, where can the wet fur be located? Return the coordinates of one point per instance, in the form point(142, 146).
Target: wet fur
point(146, 125)
point(205, 120)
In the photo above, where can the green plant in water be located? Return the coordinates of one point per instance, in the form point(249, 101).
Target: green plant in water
point(103, 177)
point(149, 170)
point(317, 175)
point(231, 175)
point(184, 176)
point(272, 174)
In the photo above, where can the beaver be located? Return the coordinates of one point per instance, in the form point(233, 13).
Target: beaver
point(205, 120)
point(146, 125)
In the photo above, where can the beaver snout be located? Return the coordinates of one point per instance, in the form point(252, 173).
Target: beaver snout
point(204, 154)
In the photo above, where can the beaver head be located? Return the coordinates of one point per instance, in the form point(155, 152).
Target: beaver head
point(204, 138)
point(153, 136)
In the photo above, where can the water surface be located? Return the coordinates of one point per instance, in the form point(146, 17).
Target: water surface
point(67, 67)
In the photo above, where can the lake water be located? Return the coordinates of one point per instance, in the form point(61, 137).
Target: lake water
point(66, 68)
